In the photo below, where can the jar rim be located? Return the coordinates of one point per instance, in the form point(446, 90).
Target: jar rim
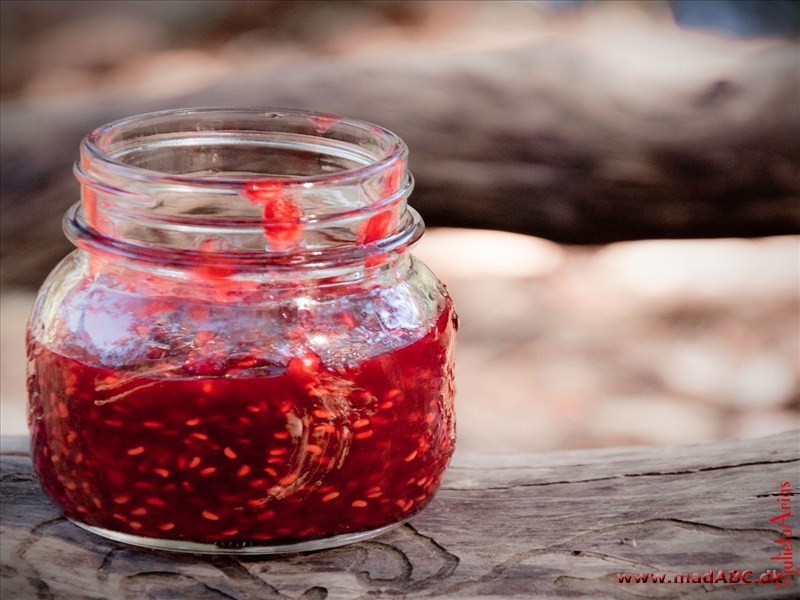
point(395, 147)
point(310, 187)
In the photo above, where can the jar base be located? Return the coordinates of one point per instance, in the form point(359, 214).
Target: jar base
point(254, 547)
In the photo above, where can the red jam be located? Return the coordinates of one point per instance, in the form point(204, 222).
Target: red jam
point(281, 217)
point(236, 460)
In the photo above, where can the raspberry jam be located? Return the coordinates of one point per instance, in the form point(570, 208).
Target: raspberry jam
point(242, 355)
point(310, 453)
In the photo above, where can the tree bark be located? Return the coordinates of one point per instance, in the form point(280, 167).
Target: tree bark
point(541, 139)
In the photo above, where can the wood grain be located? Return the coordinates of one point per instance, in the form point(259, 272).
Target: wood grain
point(526, 526)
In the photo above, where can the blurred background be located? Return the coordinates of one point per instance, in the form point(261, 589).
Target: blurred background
point(612, 188)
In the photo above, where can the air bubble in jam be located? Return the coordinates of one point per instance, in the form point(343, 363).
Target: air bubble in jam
point(309, 453)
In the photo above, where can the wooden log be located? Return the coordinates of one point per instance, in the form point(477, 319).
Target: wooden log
point(542, 139)
point(528, 526)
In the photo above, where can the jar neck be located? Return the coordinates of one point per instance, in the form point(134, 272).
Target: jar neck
point(244, 191)
point(230, 285)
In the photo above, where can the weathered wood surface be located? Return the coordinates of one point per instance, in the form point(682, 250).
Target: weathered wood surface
point(526, 526)
point(543, 139)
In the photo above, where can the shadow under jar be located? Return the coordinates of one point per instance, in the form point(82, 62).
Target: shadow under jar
point(241, 356)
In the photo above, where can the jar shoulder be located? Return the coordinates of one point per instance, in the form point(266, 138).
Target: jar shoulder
point(91, 319)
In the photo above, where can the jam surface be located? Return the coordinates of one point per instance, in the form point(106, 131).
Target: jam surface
point(306, 454)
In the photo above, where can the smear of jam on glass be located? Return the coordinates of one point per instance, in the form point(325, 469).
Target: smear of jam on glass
point(282, 218)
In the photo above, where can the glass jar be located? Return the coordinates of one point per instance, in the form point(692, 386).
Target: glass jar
point(241, 356)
